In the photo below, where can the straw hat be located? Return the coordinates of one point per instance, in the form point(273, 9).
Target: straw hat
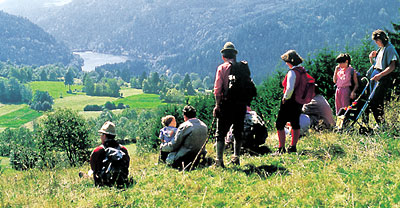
point(108, 128)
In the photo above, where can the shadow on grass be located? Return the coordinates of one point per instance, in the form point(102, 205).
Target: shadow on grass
point(333, 151)
point(264, 171)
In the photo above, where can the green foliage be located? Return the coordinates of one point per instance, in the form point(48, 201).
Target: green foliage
point(149, 125)
point(204, 105)
point(12, 91)
point(19, 144)
point(107, 87)
point(269, 95)
point(64, 131)
point(322, 67)
point(69, 79)
point(173, 96)
point(42, 101)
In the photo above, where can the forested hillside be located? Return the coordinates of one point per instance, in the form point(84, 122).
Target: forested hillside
point(23, 42)
point(186, 35)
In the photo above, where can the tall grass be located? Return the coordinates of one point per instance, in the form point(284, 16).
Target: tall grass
point(330, 170)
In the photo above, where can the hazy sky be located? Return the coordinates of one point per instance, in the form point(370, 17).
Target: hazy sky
point(44, 2)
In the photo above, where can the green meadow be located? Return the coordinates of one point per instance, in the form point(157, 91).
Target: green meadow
point(143, 101)
point(18, 117)
point(55, 89)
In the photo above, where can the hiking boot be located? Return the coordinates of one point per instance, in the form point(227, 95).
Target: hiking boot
point(234, 161)
point(292, 149)
point(219, 164)
point(279, 151)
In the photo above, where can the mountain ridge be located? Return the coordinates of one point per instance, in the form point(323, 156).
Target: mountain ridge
point(186, 36)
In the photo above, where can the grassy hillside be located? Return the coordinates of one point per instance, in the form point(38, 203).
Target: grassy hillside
point(331, 170)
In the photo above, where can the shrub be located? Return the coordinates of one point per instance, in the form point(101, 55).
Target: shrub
point(20, 146)
point(64, 131)
point(120, 106)
point(93, 108)
point(109, 105)
point(42, 101)
point(9, 138)
point(23, 157)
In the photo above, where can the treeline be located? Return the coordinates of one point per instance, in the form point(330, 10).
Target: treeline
point(25, 73)
point(12, 91)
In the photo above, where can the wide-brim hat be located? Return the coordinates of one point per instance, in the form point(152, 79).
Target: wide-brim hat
point(108, 128)
point(229, 47)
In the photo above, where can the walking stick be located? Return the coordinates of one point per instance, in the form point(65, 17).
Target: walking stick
point(205, 142)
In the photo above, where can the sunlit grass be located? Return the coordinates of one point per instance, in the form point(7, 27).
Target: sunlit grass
point(78, 102)
point(55, 89)
point(330, 170)
point(17, 118)
point(6, 109)
point(127, 91)
point(146, 101)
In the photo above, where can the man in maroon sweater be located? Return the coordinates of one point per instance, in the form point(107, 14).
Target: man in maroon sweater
point(107, 137)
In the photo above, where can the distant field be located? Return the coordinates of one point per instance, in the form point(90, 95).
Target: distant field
point(18, 117)
point(141, 101)
point(14, 116)
point(55, 89)
point(78, 102)
point(5, 109)
point(127, 91)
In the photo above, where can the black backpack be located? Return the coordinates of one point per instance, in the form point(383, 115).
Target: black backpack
point(360, 87)
point(114, 169)
point(241, 88)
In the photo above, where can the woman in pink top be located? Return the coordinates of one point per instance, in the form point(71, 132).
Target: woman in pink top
point(342, 78)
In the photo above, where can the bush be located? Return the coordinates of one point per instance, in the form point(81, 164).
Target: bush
point(120, 106)
point(93, 108)
point(42, 101)
point(64, 131)
point(20, 146)
point(23, 157)
point(9, 138)
point(109, 105)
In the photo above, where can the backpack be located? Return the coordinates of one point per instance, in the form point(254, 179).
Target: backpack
point(241, 88)
point(304, 90)
point(114, 169)
point(358, 91)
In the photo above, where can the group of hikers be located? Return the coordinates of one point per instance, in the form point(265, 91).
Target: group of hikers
point(182, 145)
